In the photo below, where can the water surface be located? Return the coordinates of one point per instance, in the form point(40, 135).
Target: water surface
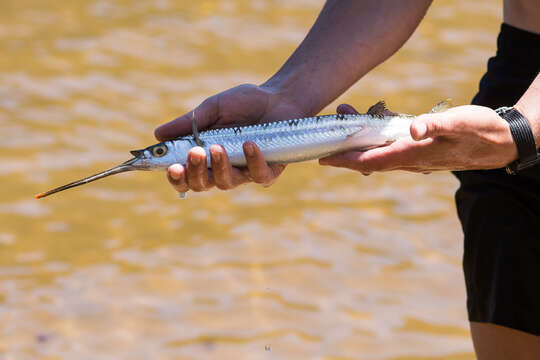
point(326, 264)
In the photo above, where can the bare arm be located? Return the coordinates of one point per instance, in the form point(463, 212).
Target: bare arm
point(523, 14)
point(349, 38)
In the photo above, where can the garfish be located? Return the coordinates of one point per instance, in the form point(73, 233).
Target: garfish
point(281, 142)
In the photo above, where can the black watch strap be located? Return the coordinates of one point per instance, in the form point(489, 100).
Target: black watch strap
point(523, 137)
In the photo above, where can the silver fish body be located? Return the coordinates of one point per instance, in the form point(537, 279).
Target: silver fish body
point(289, 141)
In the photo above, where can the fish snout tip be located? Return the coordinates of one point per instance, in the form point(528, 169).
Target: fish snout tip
point(39, 196)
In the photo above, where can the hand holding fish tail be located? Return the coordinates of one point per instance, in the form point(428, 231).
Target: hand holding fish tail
point(461, 138)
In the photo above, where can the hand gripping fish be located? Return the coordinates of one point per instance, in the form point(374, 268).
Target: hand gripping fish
point(280, 142)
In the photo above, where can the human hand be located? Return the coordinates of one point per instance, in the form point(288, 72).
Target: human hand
point(242, 105)
point(462, 138)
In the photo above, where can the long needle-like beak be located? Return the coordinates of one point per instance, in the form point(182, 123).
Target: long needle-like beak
point(115, 170)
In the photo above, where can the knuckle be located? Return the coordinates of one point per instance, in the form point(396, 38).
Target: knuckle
point(433, 127)
point(455, 123)
point(208, 102)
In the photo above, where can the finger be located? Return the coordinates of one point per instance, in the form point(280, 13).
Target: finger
point(276, 171)
point(432, 125)
point(392, 157)
point(348, 160)
point(196, 170)
point(346, 109)
point(205, 114)
point(221, 168)
point(176, 174)
point(259, 170)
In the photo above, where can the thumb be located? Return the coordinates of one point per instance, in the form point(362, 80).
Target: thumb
point(205, 115)
point(429, 126)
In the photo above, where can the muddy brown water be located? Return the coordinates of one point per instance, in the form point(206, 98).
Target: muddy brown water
point(325, 264)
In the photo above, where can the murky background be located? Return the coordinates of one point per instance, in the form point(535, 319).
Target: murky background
point(326, 264)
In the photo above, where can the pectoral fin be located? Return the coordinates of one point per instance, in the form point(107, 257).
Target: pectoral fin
point(441, 106)
point(370, 147)
point(364, 139)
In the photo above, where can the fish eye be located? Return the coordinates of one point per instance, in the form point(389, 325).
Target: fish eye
point(159, 150)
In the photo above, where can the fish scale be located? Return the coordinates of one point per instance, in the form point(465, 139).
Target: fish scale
point(294, 140)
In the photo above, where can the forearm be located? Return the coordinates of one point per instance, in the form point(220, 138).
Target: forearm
point(529, 106)
point(349, 38)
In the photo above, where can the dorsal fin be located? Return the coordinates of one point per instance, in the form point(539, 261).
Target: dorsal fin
point(441, 106)
point(380, 109)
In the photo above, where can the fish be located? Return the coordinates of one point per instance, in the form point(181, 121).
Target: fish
point(281, 142)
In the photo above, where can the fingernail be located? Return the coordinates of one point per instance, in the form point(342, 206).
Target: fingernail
point(194, 160)
point(421, 130)
point(174, 172)
point(249, 150)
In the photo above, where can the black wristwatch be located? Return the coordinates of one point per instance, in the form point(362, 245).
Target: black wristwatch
point(523, 137)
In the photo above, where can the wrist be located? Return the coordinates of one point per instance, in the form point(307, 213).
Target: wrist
point(532, 114)
point(523, 137)
point(293, 88)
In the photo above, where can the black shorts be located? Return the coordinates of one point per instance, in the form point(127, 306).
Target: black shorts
point(500, 213)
